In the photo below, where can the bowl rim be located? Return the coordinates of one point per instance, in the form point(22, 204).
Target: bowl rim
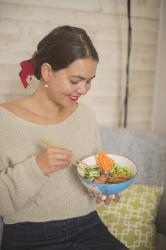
point(133, 176)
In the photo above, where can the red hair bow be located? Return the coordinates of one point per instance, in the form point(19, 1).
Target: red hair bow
point(28, 69)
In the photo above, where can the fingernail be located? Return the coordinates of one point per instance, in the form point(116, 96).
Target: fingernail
point(113, 197)
point(103, 197)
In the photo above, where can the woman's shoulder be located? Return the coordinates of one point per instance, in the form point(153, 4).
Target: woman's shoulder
point(9, 110)
point(5, 117)
point(14, 107)
point(5, 105)
point(10, 106)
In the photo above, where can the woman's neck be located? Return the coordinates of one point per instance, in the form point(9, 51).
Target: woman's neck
point(43, 105)
point(40, 109)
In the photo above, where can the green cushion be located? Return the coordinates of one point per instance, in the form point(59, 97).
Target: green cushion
point(132, 219)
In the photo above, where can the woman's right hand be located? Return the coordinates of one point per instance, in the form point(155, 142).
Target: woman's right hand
point(53, 159)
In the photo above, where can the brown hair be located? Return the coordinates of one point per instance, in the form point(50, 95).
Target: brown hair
point(63, 46)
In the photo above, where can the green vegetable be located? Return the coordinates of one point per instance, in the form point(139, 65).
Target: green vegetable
point(91, 173)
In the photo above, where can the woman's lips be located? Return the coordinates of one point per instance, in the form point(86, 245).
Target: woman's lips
point(73, 98)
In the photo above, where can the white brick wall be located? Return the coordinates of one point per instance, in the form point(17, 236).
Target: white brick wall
point(24, 23)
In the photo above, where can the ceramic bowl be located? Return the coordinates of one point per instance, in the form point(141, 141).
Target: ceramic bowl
point(109, 188)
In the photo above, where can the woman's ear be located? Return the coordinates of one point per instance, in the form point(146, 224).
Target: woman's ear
point(46, 72)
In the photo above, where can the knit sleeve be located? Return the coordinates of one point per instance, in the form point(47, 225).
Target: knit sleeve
point(19, 184)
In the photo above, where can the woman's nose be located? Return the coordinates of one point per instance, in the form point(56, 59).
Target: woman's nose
point(83, 88)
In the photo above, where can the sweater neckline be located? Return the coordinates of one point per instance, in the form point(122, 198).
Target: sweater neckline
point(28, 122)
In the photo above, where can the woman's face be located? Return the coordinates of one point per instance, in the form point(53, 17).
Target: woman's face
point(67, 85)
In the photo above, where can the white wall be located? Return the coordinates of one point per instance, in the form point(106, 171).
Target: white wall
point(159, 105)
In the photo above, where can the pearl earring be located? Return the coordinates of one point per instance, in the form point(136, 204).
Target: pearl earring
point(46, 85)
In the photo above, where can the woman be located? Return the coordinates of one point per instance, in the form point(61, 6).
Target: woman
point(43, 204)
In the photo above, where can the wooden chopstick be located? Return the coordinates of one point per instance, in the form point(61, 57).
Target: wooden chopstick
point(75, 161)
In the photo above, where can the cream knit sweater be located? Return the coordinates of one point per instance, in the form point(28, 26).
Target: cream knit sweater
point(26, 194)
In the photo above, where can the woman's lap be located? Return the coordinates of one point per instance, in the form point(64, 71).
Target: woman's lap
point(83, 233)
point(98, 238)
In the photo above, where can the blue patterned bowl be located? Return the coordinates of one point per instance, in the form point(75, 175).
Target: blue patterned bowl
point(109, 188)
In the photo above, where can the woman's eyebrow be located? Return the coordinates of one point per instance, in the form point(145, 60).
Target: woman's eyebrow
point(83, 78)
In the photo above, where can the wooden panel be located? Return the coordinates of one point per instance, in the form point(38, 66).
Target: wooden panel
point(86, 5)
point(143, 8)
point(11, 42)
point(139, 36)
point(97, 19)
point(13, 57)
point(38, 13)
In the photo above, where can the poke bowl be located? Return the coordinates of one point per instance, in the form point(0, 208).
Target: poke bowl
point(107, 174)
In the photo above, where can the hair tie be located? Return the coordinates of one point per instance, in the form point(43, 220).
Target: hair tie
point(28, 69)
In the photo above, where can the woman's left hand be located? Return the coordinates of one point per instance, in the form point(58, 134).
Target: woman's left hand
point(105, 198)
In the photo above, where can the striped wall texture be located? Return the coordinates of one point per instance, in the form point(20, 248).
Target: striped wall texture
point(24, 23)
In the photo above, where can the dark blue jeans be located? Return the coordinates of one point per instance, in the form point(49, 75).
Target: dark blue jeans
point(81, 233)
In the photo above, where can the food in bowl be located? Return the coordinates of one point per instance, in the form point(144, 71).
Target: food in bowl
point(106, 173)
